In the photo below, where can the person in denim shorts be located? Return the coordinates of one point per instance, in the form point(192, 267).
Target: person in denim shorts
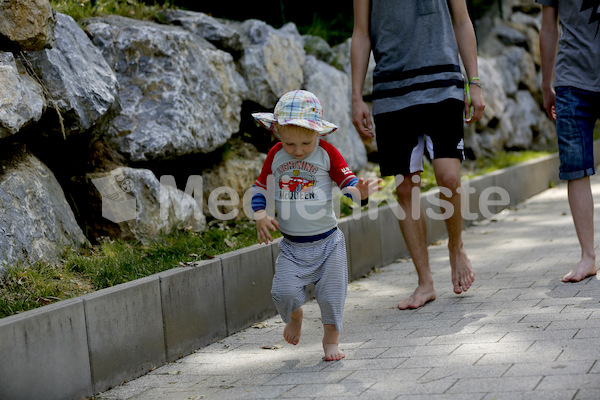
point(571, 89)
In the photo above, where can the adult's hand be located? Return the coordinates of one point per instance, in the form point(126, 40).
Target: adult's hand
point(478, 104)
point(361, 118)
point(549, 103)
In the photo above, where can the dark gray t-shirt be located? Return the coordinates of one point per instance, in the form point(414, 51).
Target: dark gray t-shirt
point(578, 58)
point(416, 54)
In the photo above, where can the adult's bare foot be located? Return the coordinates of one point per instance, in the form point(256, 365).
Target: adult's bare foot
point(332, 352)
point(423, 294)
point(293, 329)
point(585, 268)
point(463, 275)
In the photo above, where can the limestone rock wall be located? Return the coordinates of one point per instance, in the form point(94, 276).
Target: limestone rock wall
point(100, 123)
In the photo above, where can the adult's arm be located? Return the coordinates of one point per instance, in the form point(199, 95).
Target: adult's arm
point(467, 47)
point(548, 47)
point(360, 50)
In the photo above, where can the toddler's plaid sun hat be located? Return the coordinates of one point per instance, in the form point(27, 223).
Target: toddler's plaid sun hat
point(300, 108)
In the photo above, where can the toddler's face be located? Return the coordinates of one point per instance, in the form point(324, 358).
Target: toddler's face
point(298, 143)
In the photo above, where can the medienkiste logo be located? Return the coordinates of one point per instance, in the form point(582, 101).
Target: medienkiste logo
point(118, 205)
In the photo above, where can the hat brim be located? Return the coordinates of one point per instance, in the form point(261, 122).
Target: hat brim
point(268, 120)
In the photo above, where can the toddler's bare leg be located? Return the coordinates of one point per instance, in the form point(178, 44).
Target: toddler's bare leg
point(330, 343)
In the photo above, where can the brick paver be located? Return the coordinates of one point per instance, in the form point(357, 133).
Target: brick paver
point(518, 333)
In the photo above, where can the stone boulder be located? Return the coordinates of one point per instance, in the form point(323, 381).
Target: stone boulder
point(510, 36)
point(332, 87)
point(528, 72)
point(530, 27)
point(341, 61)
point(26, 24)
point(22, 99)
point(528, 20)
point(523, 6)
point(272, 61)
point(36, 223)
point(141, 206)
point(495, 95)
point(78, 80)
point(238, 170)
point(524, 114)
point(508, 65)
point(179, 94)
point(218, 33)
point(489, 143)
point(319, 48)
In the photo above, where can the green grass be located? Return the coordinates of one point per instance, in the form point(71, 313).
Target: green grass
point(81, 9)
point(117, 261)
point(25, 288)
point(504, 159)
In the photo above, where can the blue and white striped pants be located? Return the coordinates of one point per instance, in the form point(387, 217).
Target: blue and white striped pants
point(323, 263)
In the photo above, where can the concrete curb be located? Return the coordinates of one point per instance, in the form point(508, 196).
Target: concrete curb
point(83, 346)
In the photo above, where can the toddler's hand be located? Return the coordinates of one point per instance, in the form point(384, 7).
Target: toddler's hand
point(368, 187)
point(264, 223)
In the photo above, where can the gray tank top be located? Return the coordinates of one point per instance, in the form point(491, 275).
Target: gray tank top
point(416, 54)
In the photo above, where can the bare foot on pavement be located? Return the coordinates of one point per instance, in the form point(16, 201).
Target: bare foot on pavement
point(422, 295)
point(463, 275)
point(333, 352)
point(330, 343)
point(584, 269)
point(293, 329)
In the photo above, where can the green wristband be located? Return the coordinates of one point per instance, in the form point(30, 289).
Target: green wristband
point(468, 94)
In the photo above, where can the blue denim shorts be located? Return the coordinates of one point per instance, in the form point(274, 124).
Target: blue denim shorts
point(576, 113)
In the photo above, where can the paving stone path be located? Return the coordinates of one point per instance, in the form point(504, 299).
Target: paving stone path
point(518, 333)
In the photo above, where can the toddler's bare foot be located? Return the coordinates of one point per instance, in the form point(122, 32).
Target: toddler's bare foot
point(293, 329)
point(330, 343)
point(463, 275)
point(332, 352)
point(585, 268)
point(422, 295)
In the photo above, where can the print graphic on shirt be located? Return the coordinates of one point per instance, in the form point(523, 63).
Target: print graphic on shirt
point(297, 184)
point(595, 6)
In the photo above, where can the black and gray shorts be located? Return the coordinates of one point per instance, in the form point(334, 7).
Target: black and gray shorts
point(403, 136)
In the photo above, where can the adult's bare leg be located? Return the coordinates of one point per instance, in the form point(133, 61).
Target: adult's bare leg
point(581, 203)
point(447, 174)
point(414, 230)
